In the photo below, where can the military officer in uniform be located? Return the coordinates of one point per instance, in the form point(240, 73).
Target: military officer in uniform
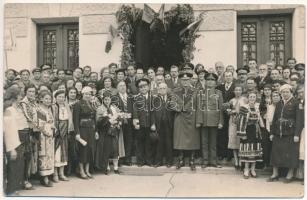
point(186, 136)
point(209, 118)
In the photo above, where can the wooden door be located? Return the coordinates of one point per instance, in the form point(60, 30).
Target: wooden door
point(58, 45)
point(264, 38)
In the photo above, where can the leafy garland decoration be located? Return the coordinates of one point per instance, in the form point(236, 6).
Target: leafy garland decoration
point(128, 16)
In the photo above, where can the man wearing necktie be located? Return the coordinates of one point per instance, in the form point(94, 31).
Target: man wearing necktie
point(144, 122)
point(164, 123)
point(130, 80)
point(174, 81)
point(124, 102)
point(227, 90)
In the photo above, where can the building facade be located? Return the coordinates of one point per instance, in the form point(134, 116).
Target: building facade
point(70, 35)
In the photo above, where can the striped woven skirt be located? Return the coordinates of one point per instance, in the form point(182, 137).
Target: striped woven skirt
point(250, 149)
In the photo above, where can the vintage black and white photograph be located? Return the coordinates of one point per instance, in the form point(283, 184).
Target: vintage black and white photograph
point(163, 100)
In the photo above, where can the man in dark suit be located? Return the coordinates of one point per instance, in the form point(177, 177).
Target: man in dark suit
point(144, 122)
point(131, 80)
point(175, 81)
point(164, 123)
point(227, 89)
point(124, 102)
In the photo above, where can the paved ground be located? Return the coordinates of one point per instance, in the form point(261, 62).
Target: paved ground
point(163, 182)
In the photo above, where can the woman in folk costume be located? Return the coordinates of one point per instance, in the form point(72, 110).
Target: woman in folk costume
point(108, 124)
point(285, 144)
point(85, 127)
point(299, 130)
point(29, 108)
point(73, 159)
point(14, 139)
point(63, 123)
point(46, 138)
point(233, 111)
point(266, 101)
point(248, 129)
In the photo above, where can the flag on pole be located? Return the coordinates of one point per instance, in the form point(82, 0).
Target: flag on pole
point(190, 26)
point(133, 13)
point(161, 15)
point(111, 35)
point(196, 24)
point(148, 14)
point(159, 19)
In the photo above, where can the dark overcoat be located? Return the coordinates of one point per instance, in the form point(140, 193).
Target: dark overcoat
point(186, 135)
point(285, 152)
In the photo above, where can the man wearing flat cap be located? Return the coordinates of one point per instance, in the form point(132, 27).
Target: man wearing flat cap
point(188, 67)
point(46, 68)
point(186, 136)
point(300, 68)
point(242, 76)
point(36, 77)
point(68, 74)
point(144, 123)
point(209, 118)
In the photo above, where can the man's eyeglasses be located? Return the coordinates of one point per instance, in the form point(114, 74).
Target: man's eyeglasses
point(240, 74)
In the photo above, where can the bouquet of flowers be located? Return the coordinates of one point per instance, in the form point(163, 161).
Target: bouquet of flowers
point(124, 117)
point(117, 117)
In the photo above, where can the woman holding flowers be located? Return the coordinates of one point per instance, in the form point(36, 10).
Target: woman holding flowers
point(108, 125)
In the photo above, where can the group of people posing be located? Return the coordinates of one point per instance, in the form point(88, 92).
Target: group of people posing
point(58, 122)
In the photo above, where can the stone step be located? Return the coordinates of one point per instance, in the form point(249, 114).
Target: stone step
point(144, 170)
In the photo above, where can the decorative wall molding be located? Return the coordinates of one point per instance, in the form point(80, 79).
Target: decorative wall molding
point(97, 24)
point(223, 20)
point(15, 10)
point(18, 25)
